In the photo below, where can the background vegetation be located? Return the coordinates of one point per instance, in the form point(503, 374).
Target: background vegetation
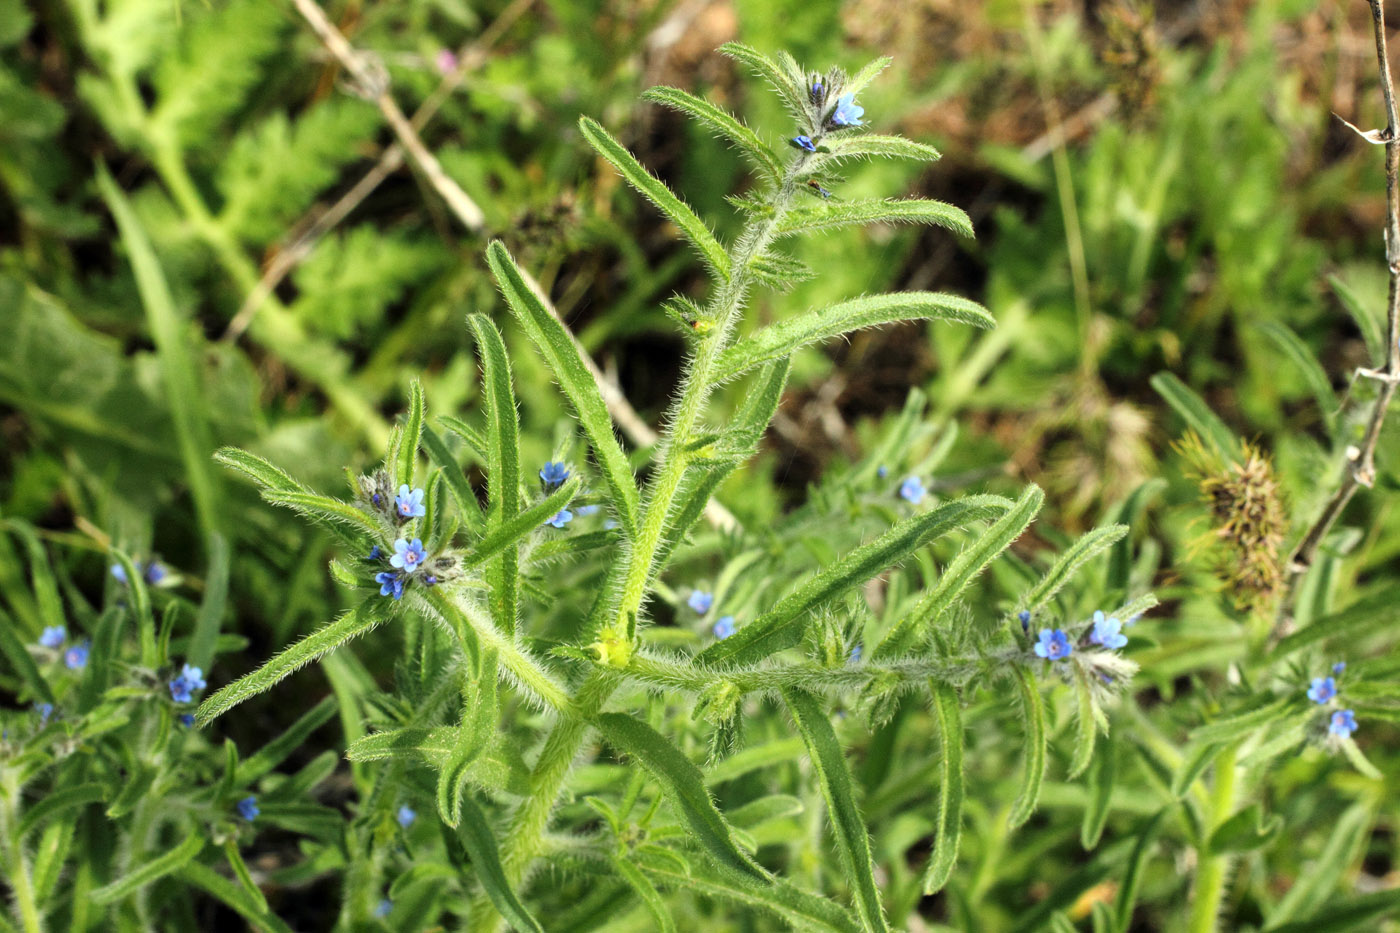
point(1166, 210)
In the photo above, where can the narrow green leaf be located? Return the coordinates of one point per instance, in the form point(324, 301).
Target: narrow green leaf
point(755, 758)
point(1086, 723)
point(1101, 780)
point(1346, 840)
point(216, 885)
point(511, 532)
point(1370, 320)
point(478, 838)
point(151, 870)
point(1377, 609)
point(1244, 831)
point(1233, 727)
point(326, 511)
point(1306, 361)
point(502, 467)
point(58, 801)
point(105, 638)
point(1120, 564)
point(781, 339)
point(871, 144)
point(211, 607)
point(478, 725)
point(1344, 915)
point(1196, 759)
point(412, 433)
point(258, 470)
point(798, 908)
point(137, 787)
point(1197, 414)
point(794, 95)
point(782, 625)
point(721, 122)
point(948, 832)
point(354, 623)
point(861, 79)
point(426, 746)
point(275, 752)
point(189, 411)
point(1127, 896)
point(916, 625)
point(832, 215)
point(1033, 721)
point(474, 439)
point(646, 892)
point(41, 575)
point(562, 354)
point(462, 493)
point(18, 655)
point(655, 191)
point(245, 877)
point(686, 789)
point(1083, 550)
point(838, 791)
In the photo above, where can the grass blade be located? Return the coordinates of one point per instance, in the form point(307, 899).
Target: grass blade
point(781, 339)
point(838, 790)
point(686, 786)
point(658, 194)
point(948, 714)
point(354, 623)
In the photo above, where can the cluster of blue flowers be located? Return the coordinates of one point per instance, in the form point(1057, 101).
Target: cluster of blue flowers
point(184, 684)
point(845, 115)
point(701, 601)
point(153, 573)
point(1322, 691)
point(912, 490)
point(1054, 644)
point(75, 658)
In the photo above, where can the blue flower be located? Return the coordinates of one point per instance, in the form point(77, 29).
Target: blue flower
point(45, 710)
point(1339, 667)
point(407, 555)
point(53, 636)
point(1343, 723)
point(76, 657)
point(912, 490)
point(1053, 645)
point(248, 808)
point(184, 684)
point(406, 816)
point(186, 720)
point(817, 92)
point(119, 572)
point(155, 573)
point(701, 601)
point(1025, 616)
point(882, 471)
point(855, 655)
point(553, 475)
point(409, 503)
point(804, 142)
point(390, 584)
point(383, 907)
point(847, 112)
point(1107, 632)
point(560, 518)
point(1323, 689)
point(724, 627)
point(374, 554)
point(585, 510)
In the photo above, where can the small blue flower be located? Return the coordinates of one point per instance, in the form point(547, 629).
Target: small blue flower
point(724, 627)
point(1343, 723)
point(1025, 616)
point(804, 142)
point(847, 112)
point(560, 518)
point(1323, 689)
point(912, 490)
point(409, 503)
point(248, 808)
point(701, 601)
point(53, 636)
point(1107, 632)
point(383, 907)
point(76, 657)
point(186, 720)
point(856, 653)
point(553, 475)
point(1053, 645)
point(45, 710)
point(882, 471)
point(408, 555)
point(390, 584)
point(1339, 667)
point(817, 92)
point(119, 572)
point(184, 684)
point(585, 510)
point(374, 554)
point(406, 816)
point(156, 572)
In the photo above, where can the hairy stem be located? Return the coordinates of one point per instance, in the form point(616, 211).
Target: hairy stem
point(1211, 870)
point(16, 866)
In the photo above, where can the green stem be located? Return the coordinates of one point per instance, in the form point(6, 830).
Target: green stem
point(1211, 870)
point(16, 870)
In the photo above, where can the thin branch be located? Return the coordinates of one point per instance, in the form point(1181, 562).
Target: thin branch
point(1360, 465)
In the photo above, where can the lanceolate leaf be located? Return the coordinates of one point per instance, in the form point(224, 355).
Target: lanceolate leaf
point(782, 626)
point(783, 338)
point(275, 752)
point(1132, 878)
point(478, 838)
point(1197, 414)
point(1068, 564)
point(468, 509)
point(686, 787)
point(234, 896)
point(477, 727)
point(562, 355)
point(926, 615)
point(870, 144)
point(354, 623)
point(655, 191)
point(1307, 362)
point(1033, 721)
point(861, 79)
point(835, 214)
point(151, 870)
point(412, 431)
point(793, 94)
point(1100, 791)
point(258, 470)
point(647, 892)
point(1087, 724)
point(503, 467)
point(839, 792)
point(948, 714)
point(720, 121)
point(326, 511)
point(510, 532)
